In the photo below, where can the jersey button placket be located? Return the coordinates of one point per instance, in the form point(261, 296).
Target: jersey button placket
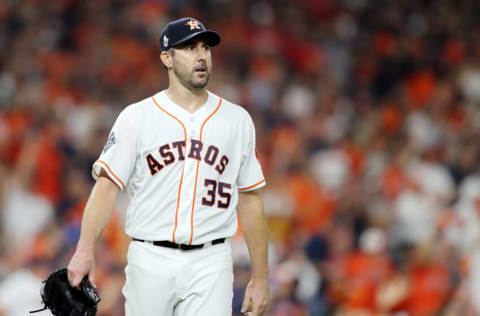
point(193, 131)
point(192, 172)
point(192, 163)
point(188, 187)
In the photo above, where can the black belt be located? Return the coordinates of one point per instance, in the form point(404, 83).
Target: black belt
point(169, 244)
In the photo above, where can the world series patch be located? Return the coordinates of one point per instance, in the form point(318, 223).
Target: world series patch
point(110, 141)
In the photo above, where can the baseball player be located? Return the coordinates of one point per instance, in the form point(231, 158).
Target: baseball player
point(187, 159)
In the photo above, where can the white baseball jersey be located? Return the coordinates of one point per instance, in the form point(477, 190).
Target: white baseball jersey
point(182, 170)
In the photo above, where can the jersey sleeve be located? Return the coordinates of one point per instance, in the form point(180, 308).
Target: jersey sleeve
point(250, 176)
point(119, 153)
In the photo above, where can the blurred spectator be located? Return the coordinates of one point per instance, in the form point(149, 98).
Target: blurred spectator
point(19, 291)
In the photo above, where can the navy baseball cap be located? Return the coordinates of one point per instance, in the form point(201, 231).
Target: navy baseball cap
point(179, 31)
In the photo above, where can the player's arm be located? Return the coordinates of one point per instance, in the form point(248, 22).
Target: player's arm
point(254, 227)
point(95, 217)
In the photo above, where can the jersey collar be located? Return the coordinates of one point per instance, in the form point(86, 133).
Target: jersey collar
point(177, 110)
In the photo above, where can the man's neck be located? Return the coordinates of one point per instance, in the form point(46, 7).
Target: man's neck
point(187, 99)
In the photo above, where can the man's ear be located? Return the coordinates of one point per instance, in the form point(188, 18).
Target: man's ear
point(166, 59)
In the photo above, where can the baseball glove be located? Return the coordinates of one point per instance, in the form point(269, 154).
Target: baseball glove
point(64, 300)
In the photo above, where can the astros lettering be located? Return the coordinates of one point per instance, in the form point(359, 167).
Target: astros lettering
point(176, 151)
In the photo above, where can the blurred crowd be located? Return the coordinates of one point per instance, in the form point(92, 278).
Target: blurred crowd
point(367, 115)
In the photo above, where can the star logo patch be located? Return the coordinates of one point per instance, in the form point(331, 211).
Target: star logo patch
point(193, 24)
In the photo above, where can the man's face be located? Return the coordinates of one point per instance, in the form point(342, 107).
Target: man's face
point(192, 64)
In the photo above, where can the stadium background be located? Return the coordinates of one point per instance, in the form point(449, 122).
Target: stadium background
point(367, 115)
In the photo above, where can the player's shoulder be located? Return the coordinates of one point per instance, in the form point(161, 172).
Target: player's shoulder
point(236, 111)
point(139, 106)
point(137, 109)
point(133, 115)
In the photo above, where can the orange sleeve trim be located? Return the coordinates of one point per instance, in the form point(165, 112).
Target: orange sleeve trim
point(196, 174)
point(110, 170)
point(252, 186)
point(181, 177)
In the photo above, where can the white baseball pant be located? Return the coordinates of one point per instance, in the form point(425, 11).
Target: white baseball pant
point(163, 281)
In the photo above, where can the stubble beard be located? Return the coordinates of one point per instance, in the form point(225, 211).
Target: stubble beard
point(187, 80)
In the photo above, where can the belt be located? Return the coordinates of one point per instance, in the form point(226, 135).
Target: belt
point(169, 244)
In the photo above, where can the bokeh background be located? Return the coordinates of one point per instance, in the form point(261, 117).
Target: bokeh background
point(368, 124)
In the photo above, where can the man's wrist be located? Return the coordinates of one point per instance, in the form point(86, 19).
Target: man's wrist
point(85, 247)
point(260, 276)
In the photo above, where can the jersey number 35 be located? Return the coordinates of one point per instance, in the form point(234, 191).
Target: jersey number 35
point(220, 188)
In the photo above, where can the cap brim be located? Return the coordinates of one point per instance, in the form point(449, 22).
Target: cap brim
point(212, 38)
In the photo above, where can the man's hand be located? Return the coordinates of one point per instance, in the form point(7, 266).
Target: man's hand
point(81, 264)
point(257, 295)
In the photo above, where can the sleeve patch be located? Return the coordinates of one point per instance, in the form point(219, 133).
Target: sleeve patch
point(110, 142)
